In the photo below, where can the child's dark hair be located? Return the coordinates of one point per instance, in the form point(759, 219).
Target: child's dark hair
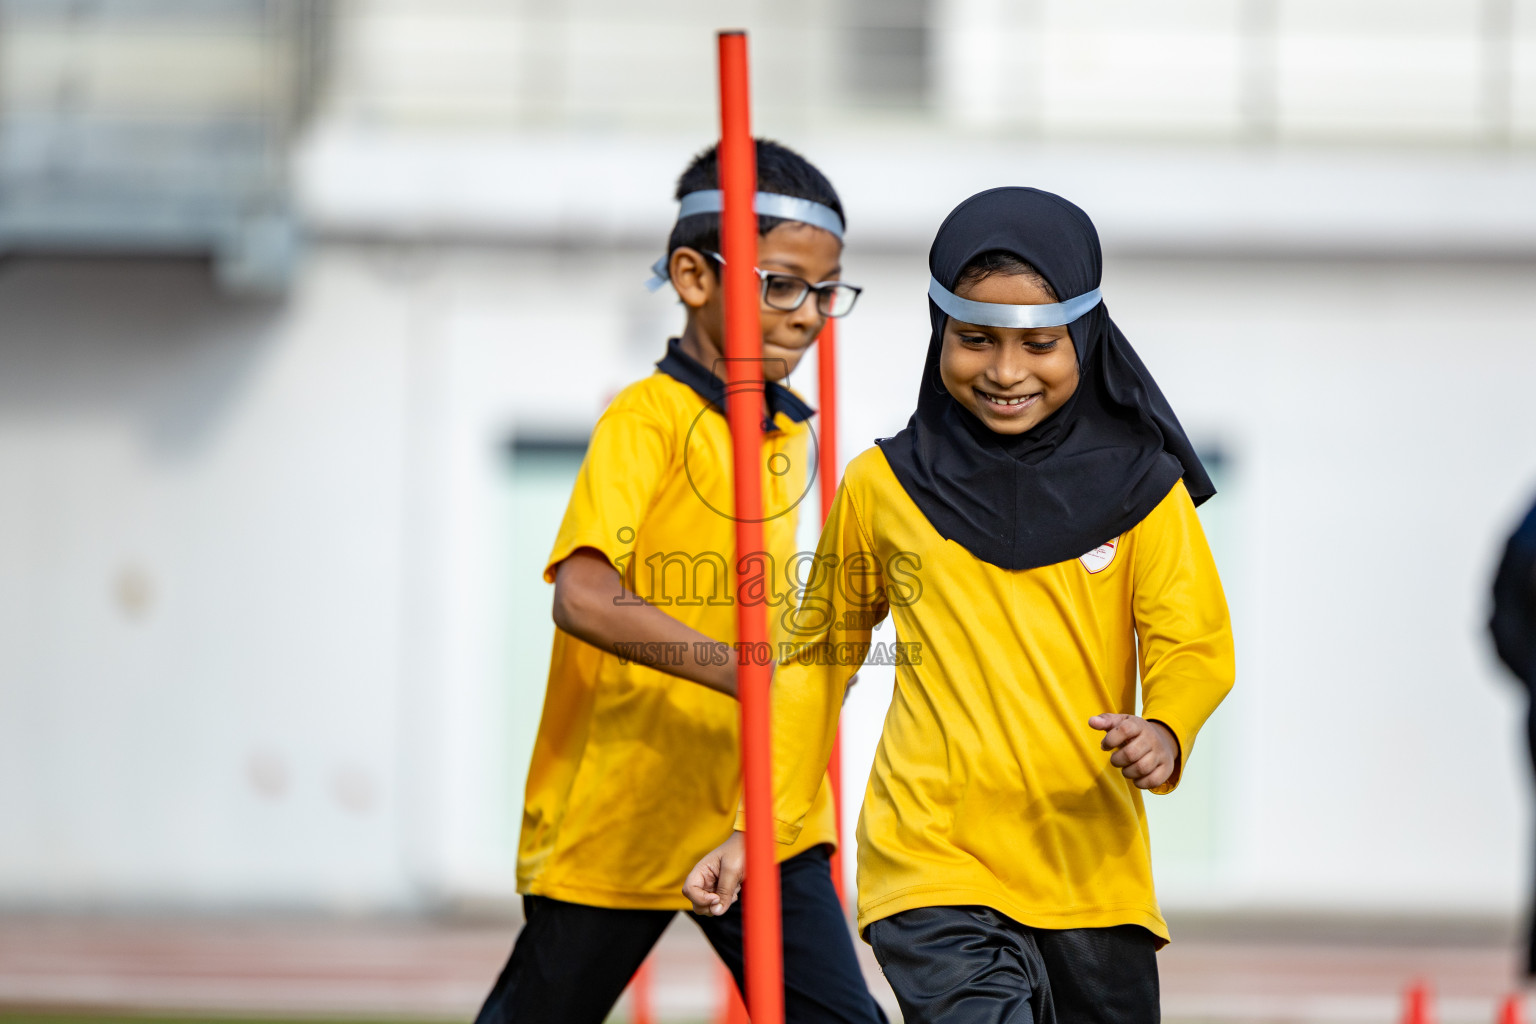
point(1001, 261)
point(779, 169)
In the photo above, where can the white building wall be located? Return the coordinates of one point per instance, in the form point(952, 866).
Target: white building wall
point(1343, 71)
point(200, 543)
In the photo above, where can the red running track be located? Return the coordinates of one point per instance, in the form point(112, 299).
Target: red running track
point(1255, 973)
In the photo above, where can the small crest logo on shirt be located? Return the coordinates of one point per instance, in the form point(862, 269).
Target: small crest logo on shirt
point(1099, 558)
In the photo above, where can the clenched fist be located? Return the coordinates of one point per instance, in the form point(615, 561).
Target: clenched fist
point(1146, 752)
point(715, 882)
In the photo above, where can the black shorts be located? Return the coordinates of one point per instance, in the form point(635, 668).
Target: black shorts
point(571, 962)
point(972, 965)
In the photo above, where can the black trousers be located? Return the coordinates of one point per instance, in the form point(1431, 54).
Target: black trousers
point(972, 965)
point(1530, 942)
point(571, 962)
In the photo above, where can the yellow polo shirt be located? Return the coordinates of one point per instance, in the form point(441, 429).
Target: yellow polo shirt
point(636, 773)
point(988, 787)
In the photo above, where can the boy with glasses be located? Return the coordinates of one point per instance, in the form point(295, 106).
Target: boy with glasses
point(636, 768)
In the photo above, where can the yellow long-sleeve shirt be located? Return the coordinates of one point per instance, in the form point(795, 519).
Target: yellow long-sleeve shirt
point(989, 787)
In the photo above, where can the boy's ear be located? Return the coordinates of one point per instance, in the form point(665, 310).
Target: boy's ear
point(693, 277)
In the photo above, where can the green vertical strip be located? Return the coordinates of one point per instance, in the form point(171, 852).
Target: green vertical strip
point(535, 487)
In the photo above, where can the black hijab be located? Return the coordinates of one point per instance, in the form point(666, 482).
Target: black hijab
point(1090, 471)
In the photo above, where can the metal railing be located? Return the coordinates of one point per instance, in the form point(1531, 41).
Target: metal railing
point(133, 126)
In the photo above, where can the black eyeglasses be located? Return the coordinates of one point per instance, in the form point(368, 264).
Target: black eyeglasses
point(786, 292)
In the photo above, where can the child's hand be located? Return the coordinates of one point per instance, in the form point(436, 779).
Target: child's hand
point(1146, 752)
point(715, 882)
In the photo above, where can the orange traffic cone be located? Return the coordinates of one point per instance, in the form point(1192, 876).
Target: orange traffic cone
point(732, 1009)
point(640, 1010)
point(1419, 1004)
point(1513, 1010)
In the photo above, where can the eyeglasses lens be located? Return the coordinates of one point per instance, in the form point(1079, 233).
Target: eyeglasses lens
point(836, 300)
point(784, 292)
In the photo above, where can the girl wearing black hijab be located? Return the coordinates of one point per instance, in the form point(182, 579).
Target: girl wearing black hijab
point(1032, 534)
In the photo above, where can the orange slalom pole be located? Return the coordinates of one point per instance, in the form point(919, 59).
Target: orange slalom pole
point(827, 467)
point(826, 396)
point(744, 409)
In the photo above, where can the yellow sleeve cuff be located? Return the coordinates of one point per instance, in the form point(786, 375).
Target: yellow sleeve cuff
point(1186, 742)
point(786, 833)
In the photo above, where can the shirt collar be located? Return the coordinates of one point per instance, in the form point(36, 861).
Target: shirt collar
point(685, 369)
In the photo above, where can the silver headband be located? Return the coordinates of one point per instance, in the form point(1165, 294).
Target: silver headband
point(1001, 314)
point(764, 204)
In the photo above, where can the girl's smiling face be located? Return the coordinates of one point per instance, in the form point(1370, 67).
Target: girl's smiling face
point(1009, 378)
